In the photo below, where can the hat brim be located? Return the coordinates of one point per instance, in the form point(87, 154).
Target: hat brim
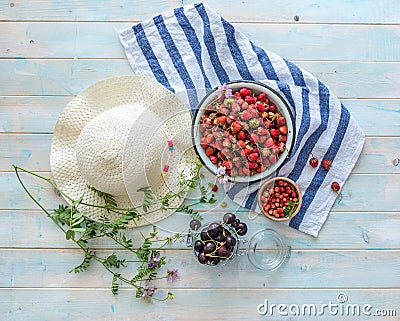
point(107, 94)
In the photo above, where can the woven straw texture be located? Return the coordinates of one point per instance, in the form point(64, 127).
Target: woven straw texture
point(113, 136)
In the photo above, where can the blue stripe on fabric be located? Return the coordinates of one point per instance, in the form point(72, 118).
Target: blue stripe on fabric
point(235, 51)
point(250, 199)
point(176, 60)
point(296, 73)
point(319, 177)
point(150, 56)
point(312, 140)
point(210, 44)
point(265, 63)
point(193, 41)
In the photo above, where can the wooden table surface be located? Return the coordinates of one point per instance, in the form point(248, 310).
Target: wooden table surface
point(51, 50)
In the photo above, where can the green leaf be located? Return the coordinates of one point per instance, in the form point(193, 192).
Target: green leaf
point(85, 263)
point(69, 234)
point(149, 198)
point(114, 284)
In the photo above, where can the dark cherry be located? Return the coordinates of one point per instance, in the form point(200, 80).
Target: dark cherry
point(214, 229)
point(230, 241)
point(241, 229)
point(209, 247)
point(214, 260)
point(235, 223)
point(202, 258)
point(223, 251)
point(198, 246)
point(229, 218)
point(195, 224)
point(204, 234)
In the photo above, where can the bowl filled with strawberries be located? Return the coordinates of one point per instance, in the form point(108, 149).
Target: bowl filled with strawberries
point(279, 199)
point(245, 127)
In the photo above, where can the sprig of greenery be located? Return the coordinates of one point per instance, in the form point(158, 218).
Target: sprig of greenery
point(288, 211)
point(79, 229)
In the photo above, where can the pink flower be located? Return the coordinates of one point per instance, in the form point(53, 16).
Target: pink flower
point(224, 91)
point(221, 175)
point(172, 275)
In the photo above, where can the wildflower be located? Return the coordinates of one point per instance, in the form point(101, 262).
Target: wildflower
point(154, 260)
point(224, 91)
point(170, 296)
point(221, 175)
point(172, 275)
point(147, 291)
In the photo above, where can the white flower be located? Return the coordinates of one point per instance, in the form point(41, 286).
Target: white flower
point(221, 175)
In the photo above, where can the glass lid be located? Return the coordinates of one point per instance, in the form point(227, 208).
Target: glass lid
point(267, 250)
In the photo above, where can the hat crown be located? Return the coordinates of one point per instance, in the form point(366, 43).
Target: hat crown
point(100, 148)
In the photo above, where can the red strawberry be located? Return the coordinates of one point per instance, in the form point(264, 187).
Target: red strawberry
point(272, 107)
point(247, 150)
point(236, 162)
point(246, 171)
point(250, 100)
point(260, 107)
point(253, 156)
point(282, 138)
point(203, 142)
point(280, 121)
point(222, 119)
point(241, 135)
point(238, 95)
point(245, 92)
point(272, 158)
point(254, 138)
point(236, 126)
point(252, 165)
point(213, 159)
point(261, 97)
point(263, 139)
point(262, 131)
point(242, 144)
point(218, 145)
point(274, 132)
point(283, 130)
point(227, 164)
point(226, 142)
point(326, 163)
point(214, 188)
point(245, 106)
point(246, 115)
point(259, 169)
point(335, 186)
point(209, 151)
point(240, 171)
point(209, 139)
point(269, 142)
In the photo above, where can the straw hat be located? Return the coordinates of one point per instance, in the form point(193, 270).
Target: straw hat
point(113, 137)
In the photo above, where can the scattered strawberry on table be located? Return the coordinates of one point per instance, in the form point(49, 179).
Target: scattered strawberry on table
point(244, 132)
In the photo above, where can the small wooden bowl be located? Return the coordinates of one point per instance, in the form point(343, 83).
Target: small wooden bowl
point(270, 183)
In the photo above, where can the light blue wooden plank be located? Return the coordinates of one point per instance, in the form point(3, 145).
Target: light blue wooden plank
point(33, 152)
point(38, 114)
point(304, 269)
point(347, 230)
point(49, 77)
point(339, 11)
point(294, 42)
point(381, 190)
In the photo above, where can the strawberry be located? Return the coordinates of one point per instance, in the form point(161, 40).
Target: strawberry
point(241, 135)
point(238, 95)
point(274, 132)
point(245, 115)
point(210, 138)
point(272, 107)
point(203, 142)
point(260, 107)
point(209, 151)
point(240, 171)
point(262, 131)
point(250, 100)
point(245, 106)
point(253, 156)
point(214, 188)
point(245, 92)
point(269, 142)
point(218, 145)
point(246, 171)
point(283, 130)
point(236, 126)
point(335, 186)
point(282, 138)
point(261, 97)
point(326, 163)
point(259, 169)
point(221, 119)
point(227, 164)
point(226, 142)
point(213, 159)
point(280, 121)
point(247, 150)
point(263, 139)
point(254, 138)
point(272, 158)
point(252, 165)
point(241, 144)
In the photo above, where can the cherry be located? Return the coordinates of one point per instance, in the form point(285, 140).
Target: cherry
point(335, 186)
point(326, 163)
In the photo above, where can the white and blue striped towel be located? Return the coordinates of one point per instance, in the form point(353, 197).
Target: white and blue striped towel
point(193, 47)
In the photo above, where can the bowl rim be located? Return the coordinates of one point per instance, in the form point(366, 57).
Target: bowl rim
point(288, 148)
point(268, 182)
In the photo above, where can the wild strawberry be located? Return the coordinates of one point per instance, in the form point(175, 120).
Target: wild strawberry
point(263, 139)
point(272, 158)
point(252, 165)
point(203, 142)
point(245, 115)
point(269, 142)
point(241, 135)
point(313, 162)
point(283, 130)
point(238, 95)
point(272, 107)
point(250, 100)
point(261, 97)
point(230, 120)
point(210, 138)
point(274, 132)
point(245, 171)
point(267, 123)
point(247, 150)
point(237, 162)
point(253, 156)
point(260, 106)
point(227, 164)
point(239, 101)
point(214, 188)
point(335, 186)
point(245, 106)
point(254, 138)
point(241, 144)
point(226, 142)
point(245, 92)
point(213, 159)
point(262, 131)
point(218, 145)
point(221, 120)
point(209, 151)
point(280, 121)
point(282, 138)
point(326, 163)
point(236, 126)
